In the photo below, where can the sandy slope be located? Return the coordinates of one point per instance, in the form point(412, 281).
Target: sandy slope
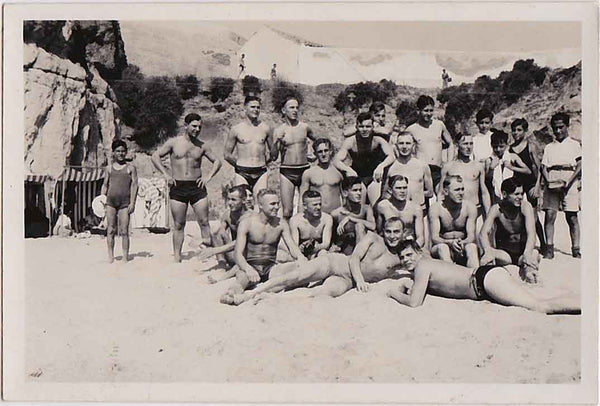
point(152, 320)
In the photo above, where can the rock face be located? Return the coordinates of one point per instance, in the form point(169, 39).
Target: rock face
point(71, 113)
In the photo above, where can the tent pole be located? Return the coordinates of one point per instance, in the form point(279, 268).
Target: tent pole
point(62, 200)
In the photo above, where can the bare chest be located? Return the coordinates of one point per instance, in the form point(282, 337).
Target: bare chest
point(185, 150)
point(325, 177)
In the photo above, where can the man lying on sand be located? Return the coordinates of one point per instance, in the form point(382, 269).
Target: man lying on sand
point(373, 260)
point(256, 244)
point(488, 282)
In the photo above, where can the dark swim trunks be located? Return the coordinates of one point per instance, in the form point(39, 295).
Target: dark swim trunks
point(436, 175)
point(263, 267)
point(187, 191)
point(293, 172)
point(251, 174)
point(477, 278)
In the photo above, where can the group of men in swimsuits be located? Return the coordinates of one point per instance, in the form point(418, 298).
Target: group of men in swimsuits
point(405, 191)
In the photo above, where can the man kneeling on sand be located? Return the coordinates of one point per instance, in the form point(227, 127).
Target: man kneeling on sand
point(256, 244)
point(375, 258)
point(488, 282)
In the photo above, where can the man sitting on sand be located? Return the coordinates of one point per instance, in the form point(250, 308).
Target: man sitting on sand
point(353, 219)
point(452, 225)
point(488, 282)
point(514, 221)
point(225, 237)
point(311, 229)
point(324, 177)
point(186, 182)
point(375, 258)
point(256, 244)
point(398, 205)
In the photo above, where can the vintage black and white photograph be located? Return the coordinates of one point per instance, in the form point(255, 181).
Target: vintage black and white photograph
point(211, 199)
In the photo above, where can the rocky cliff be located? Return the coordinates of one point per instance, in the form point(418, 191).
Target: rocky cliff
point(71, 114)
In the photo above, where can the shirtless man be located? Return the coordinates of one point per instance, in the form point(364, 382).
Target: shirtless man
point(488, 282)
point(452, 225)
point(256, 244)
point(471, 172)
point(375, 258)
point(398, 205)
point(290, 139)
point(324, 177)
point(311, 229)
point(432, 137)
point(187, 185)
point(252, 139)
point(420, 185)
point(225, 237)
point(370, 155)
point(354, 218)
point(514, 221)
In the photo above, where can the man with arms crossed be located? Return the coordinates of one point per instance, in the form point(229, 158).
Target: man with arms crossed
point(452, 225)
point(290, 139)
point(256, 244)
point(324, 177)
point(398, 205)
point(488, 282)
point(514, 221)
point(311, 229)
point(471, 172)
point(375, 258)
point(187, 185)
point(252, 140)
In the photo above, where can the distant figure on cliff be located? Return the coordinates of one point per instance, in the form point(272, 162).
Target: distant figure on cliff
point(445, 79)
point(274, 72)
point(242, 65)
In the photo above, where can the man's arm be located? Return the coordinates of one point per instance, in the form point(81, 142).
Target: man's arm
point(427, 182)
point(133, 189)
point(435, 227)
point(470, 223)
point(418, 290)
point(326, 235)
point(162, 151)
point(240, 247)
point(419, 225)
point(269, 142)
point(342, 154)
point(443, 174)
point(379, 219)
point(276, 143)
point(215, 167)
point(360, 250)
point(389, 158)
point(484, 234)
point(104, 189)
point(516, 164)
point(304, 186)
point(447, 139)
point(292, 246)
point(486, 201)
point(368, 222)
point(221, 249)
point(230, 144)
point(529, 215)
point(576, 174)
point(294, 229)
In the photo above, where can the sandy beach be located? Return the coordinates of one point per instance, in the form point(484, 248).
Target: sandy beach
point(155, 321)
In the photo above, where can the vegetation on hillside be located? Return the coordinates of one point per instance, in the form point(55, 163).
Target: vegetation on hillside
point(358, 94)
point(282, 92)
point(220, 88)
point(251, 85)
point(187, 86)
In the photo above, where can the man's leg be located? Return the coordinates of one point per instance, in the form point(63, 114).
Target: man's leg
point(201, 212)
point(373, 192)
point(496, 256)
point(504, 290)
point(333, 286)
point(441, 251)
point(123, 215)
point(111, 231)
point(549, 220)
point(472, 254)
point(179, 211)
point(261, 184)
point(286, 189)
point(573, 222)
point(222, 274)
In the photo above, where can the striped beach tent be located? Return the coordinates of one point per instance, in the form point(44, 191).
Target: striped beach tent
point(81, 185)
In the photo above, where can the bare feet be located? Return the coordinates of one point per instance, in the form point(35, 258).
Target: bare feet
point(111, 260)
point(227, 298)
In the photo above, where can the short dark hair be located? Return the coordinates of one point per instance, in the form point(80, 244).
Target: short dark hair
point(310, 194)
point(241, 189)
point(376, 107)
point(364, 116)
point(320, 141)
point(459, 136)
point(408, 243)
point(519, 122)
point(498, 136)
point(393, 179)
point(192, 117)
point(424, 101)
point(510, 185)
point(265, 192)
point(484, 113)
point(350, 181)
point(564, 117)
point(251, 98)
point(449, 178)
point(118, 143)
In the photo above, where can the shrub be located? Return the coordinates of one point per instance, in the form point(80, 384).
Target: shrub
point(406, 113)
point(281, 91)
point(251, 85)
point(129, 90)
point(220, 88)
point(364, 93)
point(187, 86)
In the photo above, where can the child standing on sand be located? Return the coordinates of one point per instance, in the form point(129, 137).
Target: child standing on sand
point(120, 187)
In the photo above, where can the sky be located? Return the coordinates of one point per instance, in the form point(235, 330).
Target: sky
point(429, 36)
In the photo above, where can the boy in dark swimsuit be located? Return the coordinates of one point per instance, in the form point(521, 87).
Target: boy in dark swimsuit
point(514, 222)
point(120, 187)
point(493, 283)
